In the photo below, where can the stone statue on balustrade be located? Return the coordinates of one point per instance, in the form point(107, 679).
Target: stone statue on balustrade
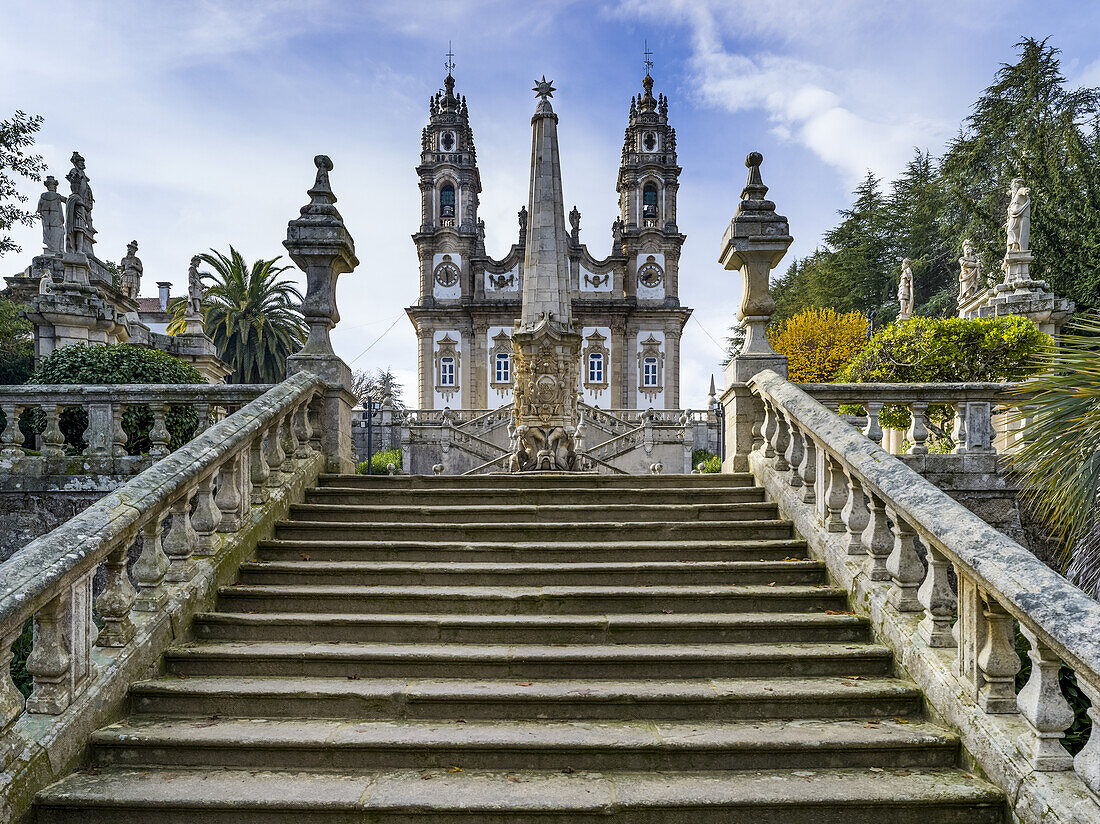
point(131, 271)
point(194, 290)
point(78, 237)
point(905, 290)
point(51, 210)
point(1018, 224)
point(970, 272)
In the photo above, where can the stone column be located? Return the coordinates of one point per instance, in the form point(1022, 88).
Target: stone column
point(755, 242)
point(320, 246)
point(427, 367)
point(616, 382)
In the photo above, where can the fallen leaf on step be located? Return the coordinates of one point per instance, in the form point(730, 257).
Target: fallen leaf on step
point(855, 677)
point(902, 772)
point(353, 677)
point(568, 770)
point(305, 557)
point(772, 584)
point(523, 683)
point(838, 612)
point(901, 720)
point(667, 611)
point(877, 769)
point(454, 769)
point(426, 777)
point(513, 779)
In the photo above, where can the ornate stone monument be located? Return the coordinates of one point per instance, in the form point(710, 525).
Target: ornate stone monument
point(51, 211)
point(905, 291)
point(545, 341)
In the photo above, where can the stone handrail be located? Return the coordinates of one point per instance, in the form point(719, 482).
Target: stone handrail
point(862, 508)
point(105, 441)
point(974, 404)
point(488, 420)
point(235, 476)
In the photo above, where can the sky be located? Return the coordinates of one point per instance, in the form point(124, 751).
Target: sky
point(199, 120)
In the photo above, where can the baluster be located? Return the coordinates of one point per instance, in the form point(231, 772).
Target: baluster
point(150, 569)
point(904, 565)
point(230, 495)
point(794, 454)
point(98, 433)
point(807, 470)
point(49, 661)
point(855, 515)
point(300, 423)
point(179, 543)
point(11, 441)
point(1087, 762)
point(969, 630)
point(206, 518)
point(874, 428)
point(258, 470)
point(275, 454)
point(998, 662)
point(290, 437)
point(918, 429)
point(118, 595)
point(782, 442)
point(159, 433)
point(315, 423)
point(938, 600)
point(202, 412)
point(12, 702)
point(118, 434)
point(958, 430)
point(1046, 711)
point(979, 427)
point(836, 495)
point(767, 430)
point(53, 442)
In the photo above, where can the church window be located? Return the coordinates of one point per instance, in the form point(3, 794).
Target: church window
point(595, 368)
point(447, 141)
point(503, 364)
point(649, 141)
point(447, 201)
point(649, 372)
point(649, 202)
point(447, 371)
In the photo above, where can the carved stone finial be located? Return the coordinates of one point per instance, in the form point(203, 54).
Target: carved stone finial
point(544, 88)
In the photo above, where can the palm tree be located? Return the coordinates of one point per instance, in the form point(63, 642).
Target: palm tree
point(253, 316)
point(1059, 461)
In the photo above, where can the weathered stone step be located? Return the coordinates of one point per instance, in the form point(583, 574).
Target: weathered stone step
point(855, 796)
point(538, 480)
point(623, 746)
point(541, 531)
point(454, 496)
point(686, 700)
point(528, 662)
point(523, 513)
point(517, 600)
point(627, 628)
point(621, 573)
point(326, 549)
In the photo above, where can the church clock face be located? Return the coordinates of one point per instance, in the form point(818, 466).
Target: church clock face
point(651, 274)
point(447, 141)
point(446, 273)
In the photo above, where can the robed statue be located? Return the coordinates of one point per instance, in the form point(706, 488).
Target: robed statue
point(51, 210)
point(1018, 225)
point(905, 290)
point(970, 271)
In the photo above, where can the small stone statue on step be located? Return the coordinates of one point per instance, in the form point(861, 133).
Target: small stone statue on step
point(905, 290)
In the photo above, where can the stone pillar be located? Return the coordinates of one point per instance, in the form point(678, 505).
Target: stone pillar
point(321, 246)
point(427, 367)
point(616, 377)
point(755, 242)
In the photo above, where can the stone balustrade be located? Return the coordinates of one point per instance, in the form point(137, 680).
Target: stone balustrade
point(103, 446)
point(984, 419)
point(943, 588)
point(197, 513)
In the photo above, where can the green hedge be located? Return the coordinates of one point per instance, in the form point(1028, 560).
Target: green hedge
point(379, 461)
point(710, 461)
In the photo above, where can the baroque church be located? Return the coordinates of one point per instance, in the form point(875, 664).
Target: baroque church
point(626, 303)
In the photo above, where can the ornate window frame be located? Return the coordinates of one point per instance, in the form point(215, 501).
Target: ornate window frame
point(596, 345)
point(448, 364)
point(651, 367)
point(501, 348)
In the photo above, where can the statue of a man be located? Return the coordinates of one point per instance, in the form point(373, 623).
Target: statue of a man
point(76, 216)
point(1018, 224)
point(575, 222)
point(194, 289)
point(85, 192)
point(522, 215)
point(51, 209)
point(131, 271)
point(905, 290)
point(970, 271)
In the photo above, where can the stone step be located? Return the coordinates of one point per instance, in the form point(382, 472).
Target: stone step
point(685, 700)
point(542, 531)
point(326, 549)
point(529, 662)
point(523, 513)
point(458, 496)
point(624, 746)
point(538, 480)
point(620, 573)
point(517, 600)
point(627, 628)
point(446, 796)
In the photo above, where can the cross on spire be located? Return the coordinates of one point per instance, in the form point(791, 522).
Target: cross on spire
point(450, 64)
point(647, 54)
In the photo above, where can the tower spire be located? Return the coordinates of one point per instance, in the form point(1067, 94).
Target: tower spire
point(450, 64)
point(647, 58)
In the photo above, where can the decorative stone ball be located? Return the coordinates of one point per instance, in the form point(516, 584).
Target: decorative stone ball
point(438, 469)
point(754, 159)
point(391, 469)
point(656, 468)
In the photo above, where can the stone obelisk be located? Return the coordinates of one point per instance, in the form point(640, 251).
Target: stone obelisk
point(545, 342)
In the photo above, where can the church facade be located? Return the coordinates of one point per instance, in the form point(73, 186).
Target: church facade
point(627, 303)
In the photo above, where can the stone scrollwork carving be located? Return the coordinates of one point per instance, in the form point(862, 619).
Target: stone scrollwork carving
point(502, 281)
point(596, 281)
point(545, 399)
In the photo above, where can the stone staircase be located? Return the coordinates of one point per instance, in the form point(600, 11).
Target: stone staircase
point(545, 647)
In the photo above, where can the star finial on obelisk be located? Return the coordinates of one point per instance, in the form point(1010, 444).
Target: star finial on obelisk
point(544, 88)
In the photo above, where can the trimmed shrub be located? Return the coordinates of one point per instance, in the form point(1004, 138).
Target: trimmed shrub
point(819, 343)
point(710, 461)
point(379, 461)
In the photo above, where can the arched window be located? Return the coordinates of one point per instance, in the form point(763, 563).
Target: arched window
point(502, 368)
point(649, 201)
point(649, 372)
point(447, 371)
point(595, 367)
point(447, 201)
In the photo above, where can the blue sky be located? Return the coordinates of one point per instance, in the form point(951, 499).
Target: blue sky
point(199, 120)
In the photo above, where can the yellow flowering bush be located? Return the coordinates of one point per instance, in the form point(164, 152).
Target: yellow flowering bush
point(819, 343)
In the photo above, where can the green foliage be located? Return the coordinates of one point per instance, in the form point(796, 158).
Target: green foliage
point(16, 345)
point(20, 650)
point(253, 316)
point(16, 136)
point(376, 385)
point(379, 461)
point(111, 364)
point(1058, 463)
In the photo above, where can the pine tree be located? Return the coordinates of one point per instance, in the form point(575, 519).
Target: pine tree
point(918, 231)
